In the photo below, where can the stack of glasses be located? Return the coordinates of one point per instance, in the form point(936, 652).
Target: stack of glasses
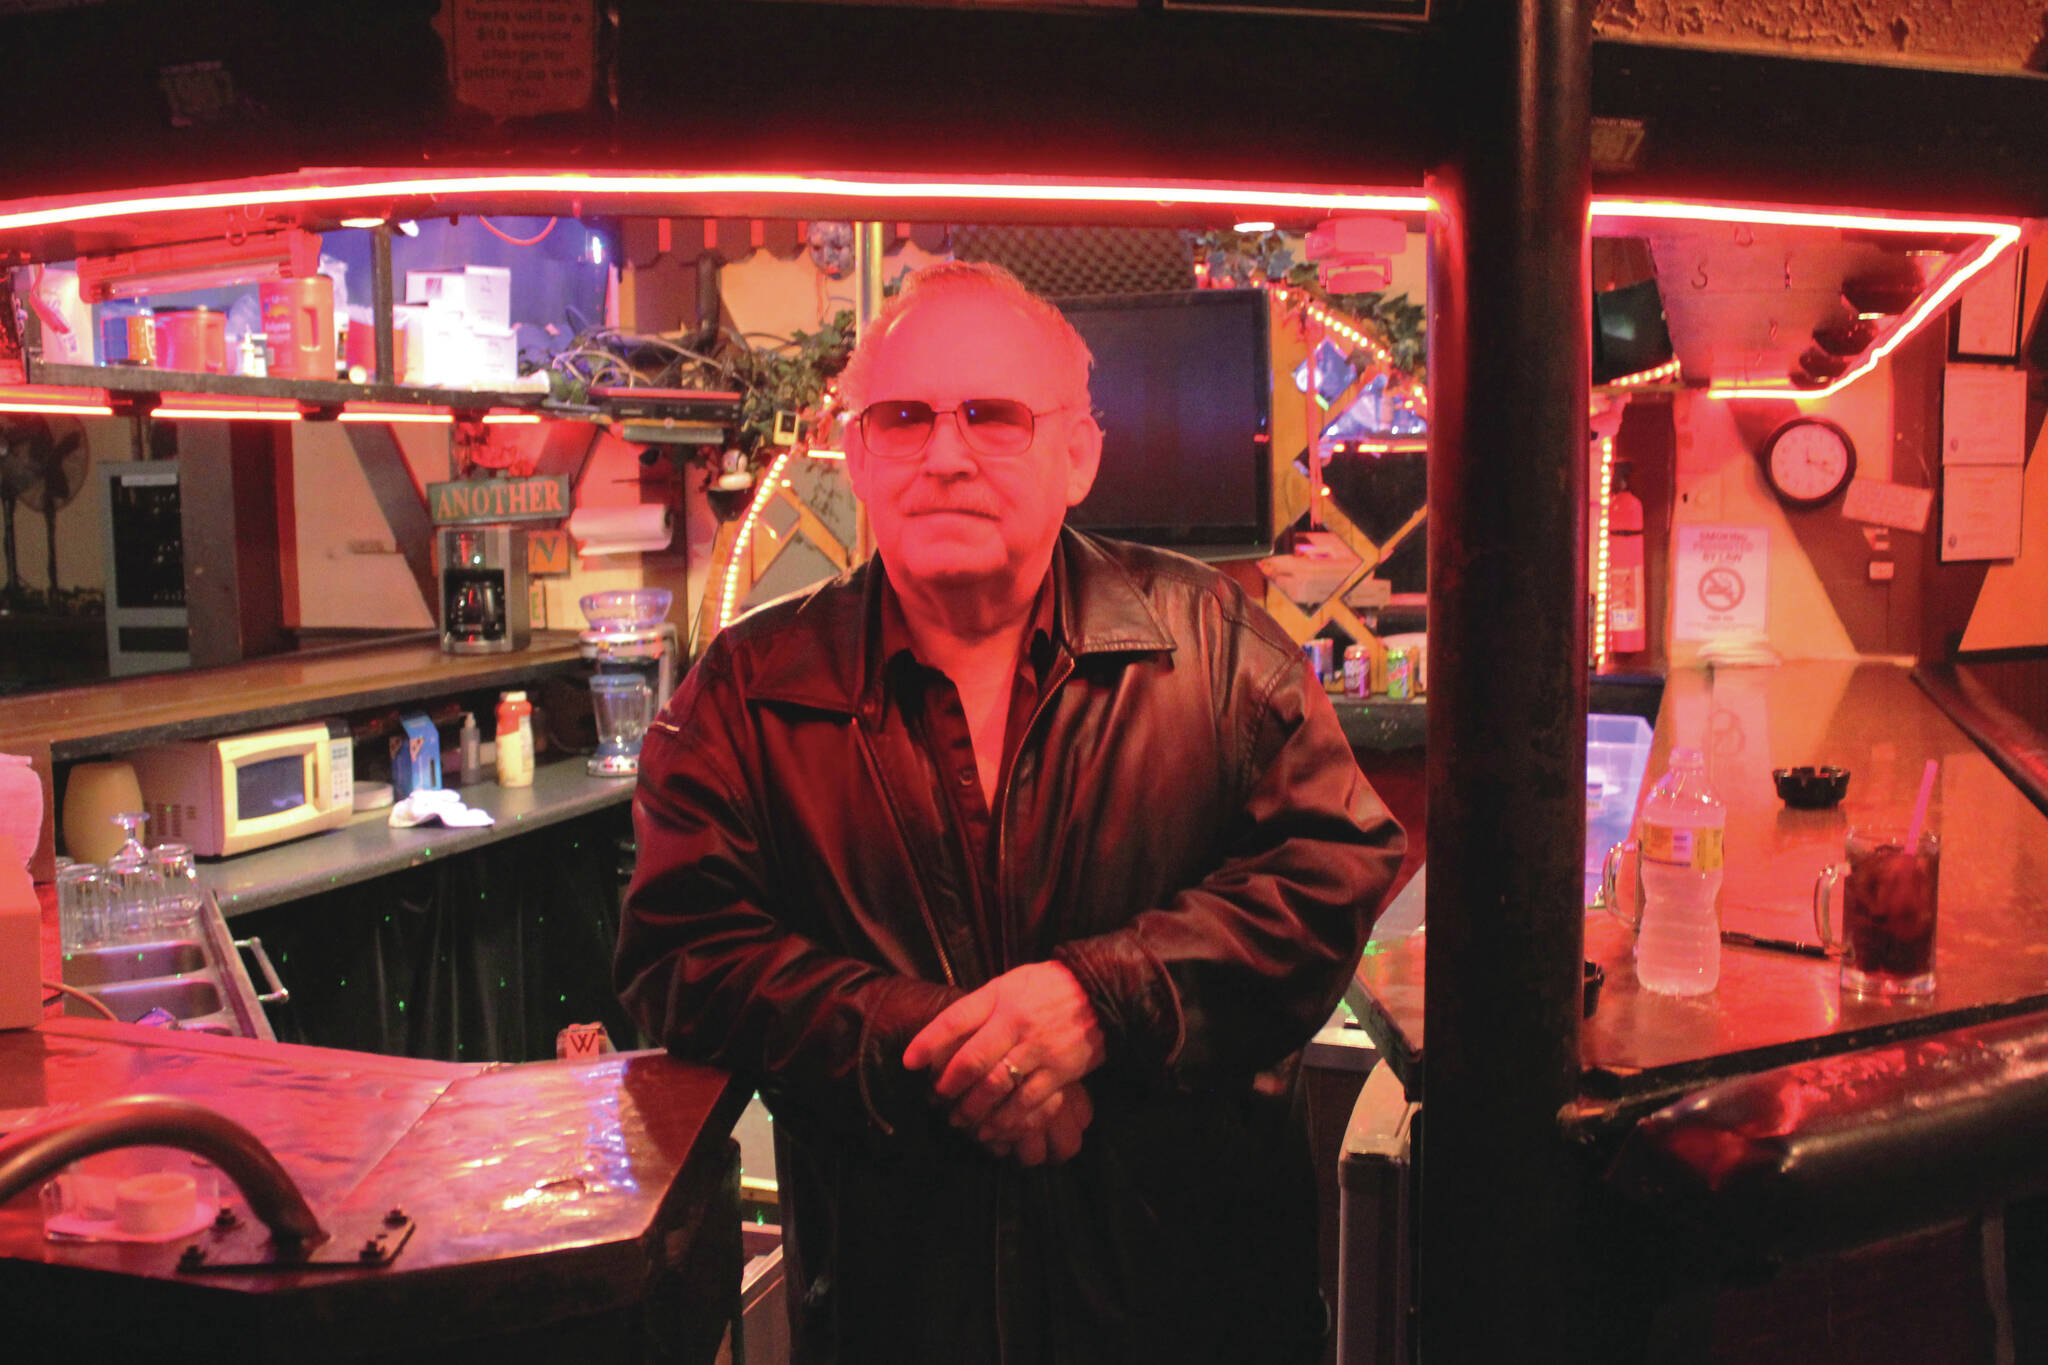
point(140, 896)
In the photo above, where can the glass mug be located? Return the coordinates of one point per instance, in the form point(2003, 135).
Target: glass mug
point(1888, 907)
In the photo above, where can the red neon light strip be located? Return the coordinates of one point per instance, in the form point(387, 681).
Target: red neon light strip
point(70, 409)
point(1998, 237)
point(338, 186)
point(370, 184)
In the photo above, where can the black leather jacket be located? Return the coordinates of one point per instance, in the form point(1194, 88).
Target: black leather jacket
point(1183, 825)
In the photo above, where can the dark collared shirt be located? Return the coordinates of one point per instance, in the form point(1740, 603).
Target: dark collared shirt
point(930, 703)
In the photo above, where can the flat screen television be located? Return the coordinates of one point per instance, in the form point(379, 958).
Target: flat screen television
point(1184, 386)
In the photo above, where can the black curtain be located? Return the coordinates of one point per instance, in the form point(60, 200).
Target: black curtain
point(482, 957)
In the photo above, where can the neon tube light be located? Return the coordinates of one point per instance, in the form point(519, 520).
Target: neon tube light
point(1998, 238)
point(64, 409)
point(226, 414)
point(342, 186)
point(994, 190)
point(1600, 567)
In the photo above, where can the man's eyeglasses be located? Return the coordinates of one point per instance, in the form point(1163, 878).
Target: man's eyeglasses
point(899, 429)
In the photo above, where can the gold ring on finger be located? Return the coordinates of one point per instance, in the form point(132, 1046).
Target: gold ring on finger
point(1016, 1076)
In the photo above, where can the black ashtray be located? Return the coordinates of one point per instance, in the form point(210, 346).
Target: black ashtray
point(1811, 788)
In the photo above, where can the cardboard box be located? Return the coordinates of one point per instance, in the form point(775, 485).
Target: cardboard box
point(415, 756)
point(480, 293)
point(494, 357)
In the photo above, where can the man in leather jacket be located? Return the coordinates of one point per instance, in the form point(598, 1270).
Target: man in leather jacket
point(1014, 867)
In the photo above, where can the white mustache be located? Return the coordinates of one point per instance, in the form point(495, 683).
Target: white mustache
point(973, 509)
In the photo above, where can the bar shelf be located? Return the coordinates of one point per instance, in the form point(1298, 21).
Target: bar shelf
point(121, 380)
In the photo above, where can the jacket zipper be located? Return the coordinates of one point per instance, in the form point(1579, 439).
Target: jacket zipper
point(924, 908)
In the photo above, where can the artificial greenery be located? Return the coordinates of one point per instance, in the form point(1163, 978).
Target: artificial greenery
point(787, 378)
point(789, 374)
point(1251, 259)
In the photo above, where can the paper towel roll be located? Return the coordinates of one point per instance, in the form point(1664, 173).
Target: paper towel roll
point(622, 530)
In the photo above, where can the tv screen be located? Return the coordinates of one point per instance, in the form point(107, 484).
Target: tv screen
point(1629, 333)
point(1184, 386)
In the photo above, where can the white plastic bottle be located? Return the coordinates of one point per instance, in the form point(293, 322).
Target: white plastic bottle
point(1678, 948)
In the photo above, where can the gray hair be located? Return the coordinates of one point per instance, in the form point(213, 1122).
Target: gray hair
point(1070, 352)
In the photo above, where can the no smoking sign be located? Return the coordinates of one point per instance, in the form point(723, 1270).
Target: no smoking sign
point(1721, 574)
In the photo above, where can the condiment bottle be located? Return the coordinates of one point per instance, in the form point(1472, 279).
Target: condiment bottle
point(472, 750)
point(515, 740)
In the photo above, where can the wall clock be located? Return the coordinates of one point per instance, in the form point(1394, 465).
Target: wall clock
point(1808, 461)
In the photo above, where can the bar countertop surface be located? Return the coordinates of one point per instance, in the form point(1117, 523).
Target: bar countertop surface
point(536, 1190)
point(367, 846)
point(1771, 1006)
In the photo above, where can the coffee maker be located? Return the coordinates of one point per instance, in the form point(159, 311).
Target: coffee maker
point(483, 589)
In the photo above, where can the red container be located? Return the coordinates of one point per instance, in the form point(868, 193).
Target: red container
point(193, 339)
point(298, 327)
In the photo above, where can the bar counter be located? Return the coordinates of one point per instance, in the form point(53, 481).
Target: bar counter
point(611, 1213)
point(1773, 1007)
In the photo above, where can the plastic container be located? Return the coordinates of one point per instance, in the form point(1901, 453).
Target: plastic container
point(1678, 949)
point(298, 327)
point(515, 740)
point(1617, 751)
point(194, 339)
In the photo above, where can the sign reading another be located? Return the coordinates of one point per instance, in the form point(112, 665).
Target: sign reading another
point(543, 497)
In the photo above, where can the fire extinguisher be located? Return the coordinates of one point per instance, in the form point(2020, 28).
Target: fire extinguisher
point(1627, 581)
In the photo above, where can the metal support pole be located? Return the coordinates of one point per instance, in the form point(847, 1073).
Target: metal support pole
point(1508, 374)
point(383, 300)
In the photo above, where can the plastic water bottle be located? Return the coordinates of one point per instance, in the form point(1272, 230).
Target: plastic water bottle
point(1678, 949)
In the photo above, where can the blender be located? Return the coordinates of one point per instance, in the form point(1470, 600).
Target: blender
point(635, 649)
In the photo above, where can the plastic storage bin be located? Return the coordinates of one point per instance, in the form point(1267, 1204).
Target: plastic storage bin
point(1617, 751)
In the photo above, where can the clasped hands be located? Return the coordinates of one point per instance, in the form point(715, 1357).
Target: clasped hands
point(1008, 1058)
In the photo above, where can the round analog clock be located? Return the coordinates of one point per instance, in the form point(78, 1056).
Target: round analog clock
point(1808, 460)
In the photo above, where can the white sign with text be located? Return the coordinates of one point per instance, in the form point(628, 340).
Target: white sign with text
point(1720, 582)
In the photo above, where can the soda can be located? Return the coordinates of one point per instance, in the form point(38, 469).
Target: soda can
point(1400, 675)
point(1322, 658)
point(1357, 670)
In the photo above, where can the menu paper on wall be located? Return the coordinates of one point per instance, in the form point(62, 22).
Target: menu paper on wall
point(1980, 511)
point(1888, 504)
point(1720, 582)
point(1984, 415)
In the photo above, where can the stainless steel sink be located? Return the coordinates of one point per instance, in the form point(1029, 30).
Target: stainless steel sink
point(91, 967)
point(189, 999)
point(199, 980)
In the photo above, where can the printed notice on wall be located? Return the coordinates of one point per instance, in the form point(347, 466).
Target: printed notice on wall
point(1984, 415)
point(1720, 582)
point(1980, 511)
point(518, 58)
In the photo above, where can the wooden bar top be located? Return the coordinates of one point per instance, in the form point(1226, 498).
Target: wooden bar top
point(1772, 1007)
point(106, 717)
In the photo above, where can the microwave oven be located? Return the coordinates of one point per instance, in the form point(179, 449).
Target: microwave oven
point(242, 792)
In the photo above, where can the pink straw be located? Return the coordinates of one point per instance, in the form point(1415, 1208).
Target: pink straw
point(1927, 776)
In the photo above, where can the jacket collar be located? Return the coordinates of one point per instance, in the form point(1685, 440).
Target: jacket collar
point(824, 655)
